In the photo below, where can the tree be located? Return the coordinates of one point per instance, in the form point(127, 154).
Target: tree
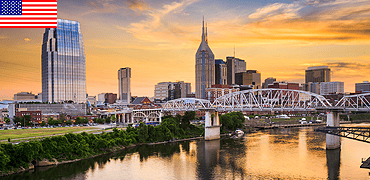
point(18, 120)
point(51, 121)
point(185, 120)
point(69, 122)
point(107, 120)
point(7, 120)
point(27, 119)
point(43, 123)
point(113, 118)
point(78, 120)
point(85, 120)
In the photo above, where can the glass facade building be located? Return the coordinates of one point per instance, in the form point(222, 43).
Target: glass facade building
point(63, 63)
point(204, 67)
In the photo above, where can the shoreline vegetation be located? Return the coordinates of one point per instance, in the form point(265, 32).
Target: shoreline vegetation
point(68, 148)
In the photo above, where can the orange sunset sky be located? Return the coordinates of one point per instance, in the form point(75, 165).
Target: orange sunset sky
point(158, 40)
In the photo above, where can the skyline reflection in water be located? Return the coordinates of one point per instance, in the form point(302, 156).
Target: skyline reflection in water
point(296, 153)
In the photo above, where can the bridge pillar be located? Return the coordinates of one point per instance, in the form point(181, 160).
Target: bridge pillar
point(332, 141)
point(212, 126)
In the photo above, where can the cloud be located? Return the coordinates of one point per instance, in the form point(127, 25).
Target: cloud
point(137, 5)
point(27, 39)
point(155, 28)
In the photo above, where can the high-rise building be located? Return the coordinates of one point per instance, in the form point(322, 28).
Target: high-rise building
point(110, 98)
point(172, 90)
point(234, 65)
point(363, 87)
point(204, 66)
point(268, 81)
point(220, 72)
point(63, 63)
point(251, 77)
point(24, 96)
point(331, 88)
point(124, 81)
point(318, 74)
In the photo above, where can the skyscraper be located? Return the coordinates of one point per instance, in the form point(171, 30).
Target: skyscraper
point(124, 81)
point(63, 63)
point(234, 65)
point(220, 72)
point(204, 66)
point(318, 74)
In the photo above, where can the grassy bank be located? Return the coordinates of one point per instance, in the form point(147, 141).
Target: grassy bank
point(28, 133)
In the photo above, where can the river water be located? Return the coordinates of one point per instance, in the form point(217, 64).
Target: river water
point(295, 153)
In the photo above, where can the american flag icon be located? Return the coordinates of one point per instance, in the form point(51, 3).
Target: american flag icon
point(28, 13)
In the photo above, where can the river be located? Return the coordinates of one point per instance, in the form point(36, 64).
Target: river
point(295, 153)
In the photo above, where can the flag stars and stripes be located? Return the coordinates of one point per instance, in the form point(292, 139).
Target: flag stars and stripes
point(11, 7)
point(28, 13)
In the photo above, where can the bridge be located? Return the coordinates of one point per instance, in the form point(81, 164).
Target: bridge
point(271, 100)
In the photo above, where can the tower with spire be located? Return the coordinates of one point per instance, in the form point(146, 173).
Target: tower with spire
point(204, 66)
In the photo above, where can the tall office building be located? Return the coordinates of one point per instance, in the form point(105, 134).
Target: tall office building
point(204, 66)
point(331, 88)
point(124, 81)
point(234, 65)
point(172, 90)
point(220, 72)
point(63, 63)
point(251, 77)
point(318, 74)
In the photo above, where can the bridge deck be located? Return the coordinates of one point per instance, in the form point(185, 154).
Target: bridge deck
point(366, 164)
point(289, 125)
point(356, 133)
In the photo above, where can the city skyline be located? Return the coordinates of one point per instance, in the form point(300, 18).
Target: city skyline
point(157, 39)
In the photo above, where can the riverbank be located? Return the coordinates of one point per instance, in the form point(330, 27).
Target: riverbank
point(55, 162)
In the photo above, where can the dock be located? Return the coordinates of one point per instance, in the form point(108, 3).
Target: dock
point(365, 164)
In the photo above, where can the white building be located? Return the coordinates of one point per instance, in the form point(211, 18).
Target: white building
point(101, 99)
point(331, 88)
point(172, 90)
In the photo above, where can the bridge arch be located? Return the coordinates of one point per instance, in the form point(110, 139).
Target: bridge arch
point(358, 102)
point(187, 104)
point(270, 100)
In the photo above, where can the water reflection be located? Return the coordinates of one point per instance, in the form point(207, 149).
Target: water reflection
point(333, 163)
point(275, 154)
point(208, 158)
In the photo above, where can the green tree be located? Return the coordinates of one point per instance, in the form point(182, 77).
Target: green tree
point(185, 120)
point(107, 119)
point(43, 123)
point(113, 118)
point(18, 120)
point(27, 119)
point(51, 121)
point(7, 120)
point(69, 122)
point(85, 120)
point(78, 120)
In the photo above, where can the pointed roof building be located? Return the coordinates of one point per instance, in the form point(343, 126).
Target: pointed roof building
point(204, 66)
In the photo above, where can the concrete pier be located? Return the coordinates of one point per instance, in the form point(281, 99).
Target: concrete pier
point(332, 141)
point(212, 126)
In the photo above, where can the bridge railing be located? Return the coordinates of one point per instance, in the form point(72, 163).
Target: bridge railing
point(270, 100)
point(358, 102)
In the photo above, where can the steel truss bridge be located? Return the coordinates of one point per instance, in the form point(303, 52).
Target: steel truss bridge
point(356, 133)
point(270, 100)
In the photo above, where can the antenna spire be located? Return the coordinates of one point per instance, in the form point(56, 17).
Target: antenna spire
point(234, 51)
